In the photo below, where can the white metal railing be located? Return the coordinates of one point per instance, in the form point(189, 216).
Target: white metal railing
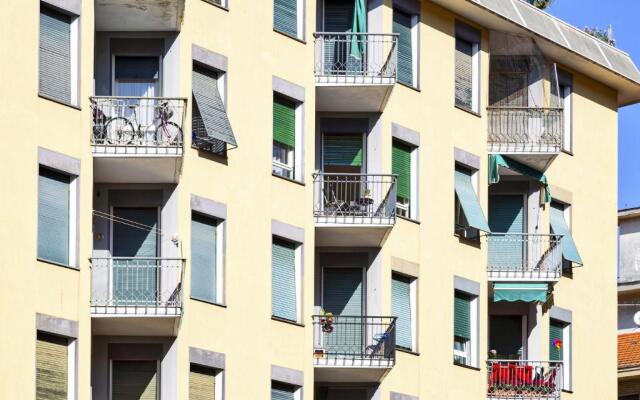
point(356, 58)
point(140, 122)
point(354, 198)
point(524, 379)
point(139, 285)
point(525, 129)
point(524, 256)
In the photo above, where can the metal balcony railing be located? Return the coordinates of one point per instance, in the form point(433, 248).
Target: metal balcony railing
point(137, 286)
point(354, 341)
point(136, 125)
point(525, 129)
point(522, 379)
point(355, 199)
point(356, 58)
point(524, 256)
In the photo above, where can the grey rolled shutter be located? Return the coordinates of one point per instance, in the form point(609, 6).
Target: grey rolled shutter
point(134, 380)
point(202, 383)
point(464, 73)
point(210, 120)
point(401, 308)
point(462, 316)
point(283, 290)
point(53, 216)
point(285, 16)
point(55, 55)
point(51, 367)
point(203, 258)
point(506, 215)
point(556, 332)
point(402, 26)
point(281, 391)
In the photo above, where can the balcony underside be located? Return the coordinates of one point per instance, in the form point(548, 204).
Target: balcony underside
point(346, 374)
point(122, 324)
point(156, 165)
point(538, 160)
point(351, 94)
point(138, 15)
point(337, 235)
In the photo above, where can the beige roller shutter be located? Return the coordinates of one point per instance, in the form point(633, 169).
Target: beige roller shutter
point(51, 367)
point(202, 383)
point(134, 380)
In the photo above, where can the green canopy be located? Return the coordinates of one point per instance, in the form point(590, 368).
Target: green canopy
point(497, 160)
point(359, 26)
point(520, 291)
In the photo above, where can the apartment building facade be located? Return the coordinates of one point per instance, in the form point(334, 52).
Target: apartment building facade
point(296, 199)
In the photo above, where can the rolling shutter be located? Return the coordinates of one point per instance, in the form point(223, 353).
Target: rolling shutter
point(555, 332)
point(210, 120)
point(202, 383)
point(462, 316)
point(469, 200)
point(338, 15)
point(283, 267)
point(285, 16)
point(401, 166)
point(342, 150)
point(55, 55)
point(464, 73)
point(281, 391)
point(506, 215)
point(53, 216)
point(203, 258)
point(401, 308)
point(342, 296)
point(284, 121)
point(134, 380)
point(402, 26)
point(560, 227)
point(51, 367)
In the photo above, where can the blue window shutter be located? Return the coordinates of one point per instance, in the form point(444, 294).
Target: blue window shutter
point(53, 216)
point(283, 279)
point(55, 55)
point(556, 331)
point(560, 227)
point(203, 258)
point(281, 391)
point(462, 316)
point(402, 26)
point(401, 308)
point(285, 16)
point(469, 200)
point(506, 215)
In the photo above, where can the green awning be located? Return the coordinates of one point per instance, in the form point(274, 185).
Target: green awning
point(359, 26)
point(469, 200)
point(520, 291)
point(560, 227)
point(497, 160)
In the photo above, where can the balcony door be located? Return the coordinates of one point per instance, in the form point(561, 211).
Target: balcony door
point(134, 380)
point(135, 239)
point(507, 217)
point(339, 56)
point(507, 336)
point(135, 76)
point(343, 162)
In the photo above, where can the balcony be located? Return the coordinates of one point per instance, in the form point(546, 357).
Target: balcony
point(138, 15)
point(519, 380)
point(137, 139)
point(353, 348)
point(353, 209)
point(532, 136)
point(354, 72)
point(147, 291)
point(524, 257)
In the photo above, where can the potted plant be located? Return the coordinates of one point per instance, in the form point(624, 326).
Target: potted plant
point(541, 4)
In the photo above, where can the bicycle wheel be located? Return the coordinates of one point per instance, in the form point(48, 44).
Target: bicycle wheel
point(169, 134)
point(119, 130)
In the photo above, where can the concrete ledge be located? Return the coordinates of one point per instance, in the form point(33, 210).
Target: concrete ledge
point(208, 207)
point(209, 58)
point(400, 396)
point(291, 90)
point(70, 6)
point(561, 314)
point(467, 159)
point(466, 285)
point(405, 267)
point(287, 231)
point(287, 375)
point(58, 161)
point(405, 134)
point(56, 326)
point(408, 6)
point(206, 358)
point(561, 194)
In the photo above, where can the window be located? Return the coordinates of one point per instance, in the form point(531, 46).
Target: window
point(206, 258)
point(285, 280)
point(469, 218)
point(467, 68)
point(137, 379)
point(403, 306)
point(211, 129)
point(565, 86)
point(558, 217)
point(56, 217)
point(560, 348)
point(288, 17)
point(406, 26)
point(462, 329)
point(284, 137)
point(55, 367)
point(202, 383)
point(58, 55)
point(221, 3)
point(401, 165)
point(284, 391)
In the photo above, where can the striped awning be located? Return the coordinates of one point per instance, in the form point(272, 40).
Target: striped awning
point(520, 291)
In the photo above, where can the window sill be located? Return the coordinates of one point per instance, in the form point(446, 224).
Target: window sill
point(471, 242)
point(468, 111)
point(213, 303)
point(288, 179)
point(415, 88)
point(466, 366)
point(287, 321)
point(407, 351)
point(415, 221)
point(75, 107)
point(57, 264)
point(217, 5)
point(297, 39)
point(567, 391)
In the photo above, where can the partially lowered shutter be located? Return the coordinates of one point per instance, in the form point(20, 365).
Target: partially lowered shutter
point(560, 227)
point(401, 166)
point(51, 367)
point(283, 288)
point(281, 391)
point(556, 339)
point(134, 380)
point(464, 73)
point(203, 258)
point(342, 150)
point(469, 200)
point(284, 121)
point(402, 26)
point(53, 216)
point(462, 316)
point(285, 16)
point(55, 55)
point(401, 308)
point(202, 383)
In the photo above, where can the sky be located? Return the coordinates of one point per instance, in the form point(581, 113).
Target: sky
point(623, 16)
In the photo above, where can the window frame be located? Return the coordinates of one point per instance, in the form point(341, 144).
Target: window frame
point(415, 44)
point(413, 303)
point(300, 21)
point(472, 36)
point(567, 352)
point(464, 230)
point(72, 362)
point(298, 260)
point(220, 229)
point(462, 286)
point(295, 162)
point(412, 206)
point(567, 266)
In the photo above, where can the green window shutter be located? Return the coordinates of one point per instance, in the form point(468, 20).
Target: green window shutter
point(134, 380)
point(401, 166)
point(560, 227)
point(285, 16)
point(55, 55)
point(284, 121)
point(281, 391)
point(342, 291)
point(464, 73)
point(342, 150)
point(338, 15)
point(52, 376)
point(506, 215)
point(283, 279)
point(469, 200)
point(202, 383)
point(555, 332)
point(402, 26)
point(53, 216)
point(203, 258)
point(209, 120)
point(401, 308)
point(462, 316)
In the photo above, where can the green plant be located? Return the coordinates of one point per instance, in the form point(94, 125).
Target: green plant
point(606, 35)
point(541, 4)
